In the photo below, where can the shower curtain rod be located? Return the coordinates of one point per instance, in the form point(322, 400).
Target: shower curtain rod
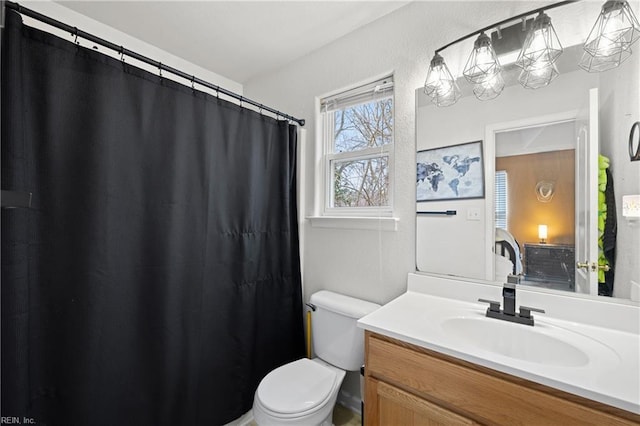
point(162, 67)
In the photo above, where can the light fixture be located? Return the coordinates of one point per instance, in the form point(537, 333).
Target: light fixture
point(538, 77)
point(440, 84)
point(482, 63)
point(483, 69)
point(542, 233)
point(490, 88)
point(541, 47)
point(608, 45)
point(609, 42)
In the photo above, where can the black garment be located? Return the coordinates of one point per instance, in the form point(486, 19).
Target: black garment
point(156, 279)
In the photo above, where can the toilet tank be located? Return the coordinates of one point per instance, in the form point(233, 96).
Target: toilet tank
point(335, 334)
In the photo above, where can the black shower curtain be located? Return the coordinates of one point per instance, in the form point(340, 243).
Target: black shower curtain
point(156, 278)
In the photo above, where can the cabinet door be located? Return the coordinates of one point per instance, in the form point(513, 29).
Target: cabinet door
point(443, 390)
point(394, 406)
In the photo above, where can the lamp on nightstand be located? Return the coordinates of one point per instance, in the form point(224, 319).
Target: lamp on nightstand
point(542, 233)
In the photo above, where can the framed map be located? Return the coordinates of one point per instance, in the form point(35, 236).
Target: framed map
point(450, 173)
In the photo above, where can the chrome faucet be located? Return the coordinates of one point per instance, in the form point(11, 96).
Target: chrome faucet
point(508, 313)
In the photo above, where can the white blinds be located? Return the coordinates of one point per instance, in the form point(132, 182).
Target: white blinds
point(378, 89)
point(501, 201)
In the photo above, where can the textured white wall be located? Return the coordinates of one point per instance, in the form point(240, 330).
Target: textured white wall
point(84, 23)
point(373, 265)
point(619, 109)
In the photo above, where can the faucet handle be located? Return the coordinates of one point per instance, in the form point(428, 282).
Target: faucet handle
point(493, 305)
point(525, 311)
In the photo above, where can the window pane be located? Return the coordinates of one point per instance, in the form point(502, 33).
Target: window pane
point(363, 126)
point(361, 183)
point(501, 201)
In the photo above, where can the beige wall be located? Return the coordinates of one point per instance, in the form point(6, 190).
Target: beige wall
point(525, 211)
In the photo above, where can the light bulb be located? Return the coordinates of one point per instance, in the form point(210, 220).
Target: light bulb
point(490, 88)
point(538, 77)
point(541, 47)
point(440, 85)
point(482, 63)
point(542, 233)
point(609, 42)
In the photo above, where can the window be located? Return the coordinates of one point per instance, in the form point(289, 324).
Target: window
point(358, 150)
point(501, 199)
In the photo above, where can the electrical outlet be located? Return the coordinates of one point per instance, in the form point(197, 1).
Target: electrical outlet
point(631, 206)
point(473, 214)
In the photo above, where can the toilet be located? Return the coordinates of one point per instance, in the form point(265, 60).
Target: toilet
point(305, 391)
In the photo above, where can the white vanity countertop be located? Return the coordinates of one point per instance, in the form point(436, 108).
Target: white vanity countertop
point(611, 375)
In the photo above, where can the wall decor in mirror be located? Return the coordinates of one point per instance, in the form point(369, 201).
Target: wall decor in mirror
point(450, 173)
point(556, 156)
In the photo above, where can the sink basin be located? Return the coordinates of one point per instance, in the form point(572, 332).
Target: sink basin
point(551, 346)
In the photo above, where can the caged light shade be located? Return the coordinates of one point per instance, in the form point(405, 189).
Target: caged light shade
point(440, 85)
point(483, 63)
point(538, 77)
point(609, 42)
point(490, 88)
point(541, 46)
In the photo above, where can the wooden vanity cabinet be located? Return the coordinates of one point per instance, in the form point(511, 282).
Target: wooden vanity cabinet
point(409, 385)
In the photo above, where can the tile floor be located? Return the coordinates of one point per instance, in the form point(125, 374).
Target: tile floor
point(344, 417)
point(341, 417)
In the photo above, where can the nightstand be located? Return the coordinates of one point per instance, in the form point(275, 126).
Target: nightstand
point(549, 262)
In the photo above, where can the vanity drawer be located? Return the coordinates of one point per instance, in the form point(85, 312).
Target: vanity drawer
point(477, 393)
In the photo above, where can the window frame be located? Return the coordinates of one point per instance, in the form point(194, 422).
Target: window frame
point(328, 157)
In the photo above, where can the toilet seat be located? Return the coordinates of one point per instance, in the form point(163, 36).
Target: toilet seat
point(298, 389)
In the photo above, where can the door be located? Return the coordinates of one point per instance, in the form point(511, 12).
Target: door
point(587, 150)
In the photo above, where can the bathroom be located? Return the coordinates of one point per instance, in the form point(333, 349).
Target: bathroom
point(371, 257)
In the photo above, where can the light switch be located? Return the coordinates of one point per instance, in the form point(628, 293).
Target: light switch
point(631, 206)
point(473, 214)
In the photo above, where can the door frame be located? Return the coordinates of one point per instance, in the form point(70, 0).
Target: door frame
point(490, 171)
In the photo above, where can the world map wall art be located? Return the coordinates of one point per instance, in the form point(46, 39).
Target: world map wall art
point(450, 173)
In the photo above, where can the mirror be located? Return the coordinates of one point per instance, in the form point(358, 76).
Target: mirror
point(545, 144)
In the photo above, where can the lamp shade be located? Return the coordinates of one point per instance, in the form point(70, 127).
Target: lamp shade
point(541, 46)
point(601, 63)
point(609, 42)
point(482, 63)
point(440, 85)
point(490, 88)
point(542, 232)
point(538, 77)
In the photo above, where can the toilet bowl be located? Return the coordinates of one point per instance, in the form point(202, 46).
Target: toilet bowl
point(303, 392)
